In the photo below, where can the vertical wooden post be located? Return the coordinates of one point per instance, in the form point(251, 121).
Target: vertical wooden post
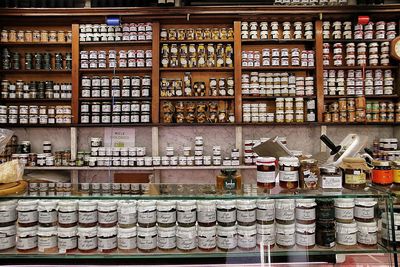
point(237, 50)
point(75, 73)
point(155, 76)
point(319, 69)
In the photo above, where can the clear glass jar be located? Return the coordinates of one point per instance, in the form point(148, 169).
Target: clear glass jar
point(346, 234)
point(27, 212)
point(207, 237)
point(87, 239)
point(107, 213)
point(67, 213)
point(8, 237)
point(367, 233)
point(344, 210)
point(355, 172)
point(67, 239)
point(147, 238)
point(206, 213)
point(166, 213)
point(289, 172)
point(27, 240)
point(309, 174)
point(147, 213)
point(127, 239)
point(265, 213)
point(226, 237)
point(47, 213)
point(166, 238)
point(246, 237)
point(266, 172)
point(87, 213)
point(285, 211)
point(285, 235)
point(226, 212)
point(8, 213)
point(186, 213)
point(47, 239)
point(186, 238)
point(305, 211)
point(364, 209)
point(246, 212)
point(266, 235)
point(127, 213)
point(305, 235)
point(107, 239)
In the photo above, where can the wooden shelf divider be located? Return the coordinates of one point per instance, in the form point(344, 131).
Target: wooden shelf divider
point(75, 73)
point(319, 71)
point(237, 49)
point(155, 75)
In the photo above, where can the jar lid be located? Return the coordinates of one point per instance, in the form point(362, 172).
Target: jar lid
point(166, 205)
point(27, 231)
point(206, 231)
point(186, 203)
point(47, 205)
point(307, 203)
point(166, 231)
point(346, 228)
point(289, 161)
point(367, 227)
point(47, 231)
point(285, 228)
point(141, 231)
point(344, 202)
point(127, 232)
point(381, 163)
point(146, 205)
point(186, 232)
point(226, 204)
point(106, 231)
point(8, 205)
point(67, 205)
point(27, 204)
point(265, 203)
point(8, 230)
point(87, 205)
point(266, 160)
point(245, 204)
point(67, 232)
point(226, 231)
point(365, 202)
point(305, 228)
point(285, 204)
point(209, 203)
point(127, 206)
point(247, 230)
point(353, 160)
point(329, 169)
point(266, 229)
point(87, 231)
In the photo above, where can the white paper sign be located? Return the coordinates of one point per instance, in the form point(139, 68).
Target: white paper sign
point(119, 137)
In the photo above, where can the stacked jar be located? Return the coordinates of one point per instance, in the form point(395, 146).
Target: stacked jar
point(190, 34)
point(290, 110)
point(278, 57)
point(35, 89)
point(8, 227)
point(257, 113)
point(325, 224)
point(383, 111)
point(270, 30)
point(29, 36)
point(126, 32)
point(346, 110)
point(126, 59)
point(35, 114)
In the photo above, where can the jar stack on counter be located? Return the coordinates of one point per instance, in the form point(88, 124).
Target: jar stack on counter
point(116, 59)
point(313, 2)
point(190, 34)
point(357, 82)
point(271, 30)
point(190, 87)
point(346, 110)
point(277, 84)
point(124, 33)
point(35, 114)
point(197, 112)
point(49, 189)
point(35, 90)
point(386, 149)
point(35, 36)
point(196, 55)
point(126, 86)
point(35, 61)
point(278, 57)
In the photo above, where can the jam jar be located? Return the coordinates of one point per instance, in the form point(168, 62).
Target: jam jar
point(346, 233)
point(127, 239)
point(186, 238)
point(207, 238)
point(147, 238)
point(325, 209)
point(87, 213)
point(331, 177)
point(87, 239)
point(67, 239)
point(166, 213)
point(67, 213)
point(8, 213)
point(8, 237)
point(305, 235)
point(47, 239)
point(127, 213)
point(382, 173)
point(47, 213)
point(285, 235)
point(107, 239)
point(186, 213)
point(265, 213)
point(305, 211)
point(344, 210)
point(246, 212)
point(27, 240)
point(325, 234)
point(246, 237)
point(364, 210)
point(206, 213)
point(266, 235)
point(289, 172)
point(107, 213)
point(367, 233)
point(355, 172)
point(226, 237)
point(226, 212)
point(285, 211)
point(27, 213)
point(147, 214)
point(166, 238)
point(266, 172)
point(309, 174)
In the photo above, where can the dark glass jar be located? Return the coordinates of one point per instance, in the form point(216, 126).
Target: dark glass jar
point(325, 234)
point(325, 209)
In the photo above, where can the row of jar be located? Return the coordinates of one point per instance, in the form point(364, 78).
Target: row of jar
point(125, 27)
point(386, 144)
point(35, 89)
point(113, 54)
point(36, 119)
point(115, 81)
point(265, 30)
point(116, 117)
point(345, 30)
point(36, 36)
point(190, 34)
point(311, 2)
point(279, 116)
point(280, 57)
point(37, 61)
point(107, 107)
point(361, 116)
point(58, 159)
point(35, 110)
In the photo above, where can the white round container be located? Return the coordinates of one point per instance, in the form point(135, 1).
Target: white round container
point(67, 239)
point(147, 214)
point(87, 238)
point(127, 213)
point(166, 212)
point(346, 233)
point(266, 234)
point(166, 238)
point(285, 235)
point(147, 238)
point(186, 212)
point(27, 211)
point(107, 238)
point(126, 238)
point(47, 238)
point(206, 212)
point(67, 213)
point(265, 210)
point(207, 237)
point(247, 236)
point(226, 237)
point(186, 238)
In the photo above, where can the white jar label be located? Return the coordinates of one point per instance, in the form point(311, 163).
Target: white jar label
point(185, 243)
point(67, 243)
point(226, 216)
point(344, 213)
point(87, 243)
point(67, 217)
point(188, 216)
point(364, 212)
point(284, 214)
point(229, 242)
point(246, 216)
point(27, 216)
point(26, 243)
point(146, 243)
point(88, 217)
point(305, 239)
point(166, 216)
point(127, 243)
point(305, 214)
point(285, 240)
point(107, 243)
point(45, 242)
point(247, 241)
point(265, 177)
point(265, 239)
point(347, 239)
point(127, 218)
point(289, 176)
point(8, 216)
point(367, 238)
point(108, 217)
point(207, 242)
point(147, 217)
point(206, 216)
point(7, 242)
point(167, 242)
point(265, 215)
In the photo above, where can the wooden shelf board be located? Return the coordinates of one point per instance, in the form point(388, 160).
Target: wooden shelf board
point(33, 44)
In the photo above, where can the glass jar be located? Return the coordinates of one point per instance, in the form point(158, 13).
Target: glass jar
point(166, 238)
point(8, 237)
point(166, 213)
point(147, 214)
point(246, 237)
point(325, 209)
point(355, 172)
point(27, 212)
point(67, 213)
point(107, 213)
point(266, 235)
point(127, 213)
point(47, 239)
point(346, 233)
point(344, 210)
point(207, 237)
point(67, 239)
point(87, 213)
point(266, 172)
point(246, 212)
point(206, 213)
point(367, 233)
point(285, 235)
point(305, 235)
point(325, 234)
point(226, 212)
point(87, 239)
point(186, 238)
point(364, 210)
point(186, 213)
point(127, 239)
point(331, 177)
point(309, 174)
point(47, 213)
point(289, 172)
point(107, 239)
point(229, 181)
point(8, 213)
point(265, 213)
point(285, 211)
point(226, 238)
point(147, 238)
point(382, 173)
point(27, 240)
point(305, 211)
